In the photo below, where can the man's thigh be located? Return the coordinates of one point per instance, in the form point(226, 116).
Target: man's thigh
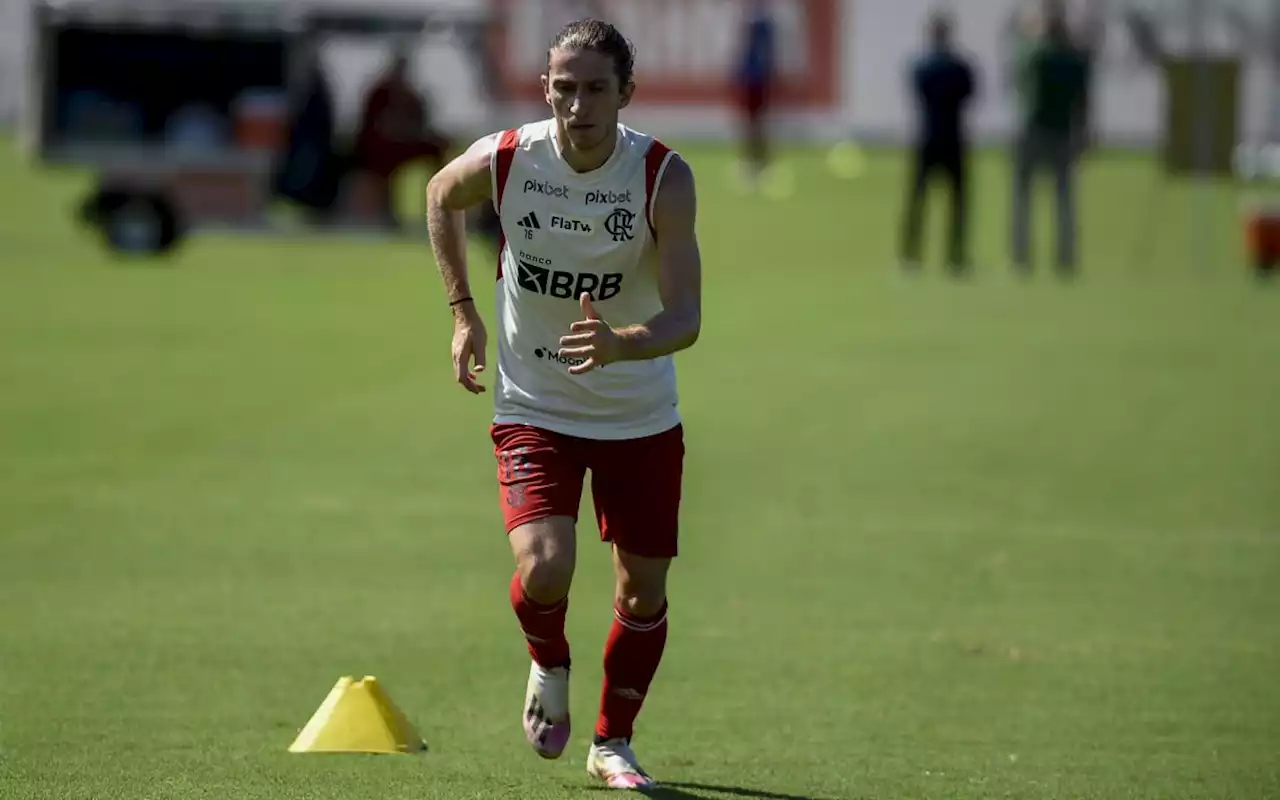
point(636, 486)
point(539, 474)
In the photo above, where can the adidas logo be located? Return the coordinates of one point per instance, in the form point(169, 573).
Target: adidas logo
point(530, 224)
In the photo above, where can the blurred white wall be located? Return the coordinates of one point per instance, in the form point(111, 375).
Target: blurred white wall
point(1130, 95)
point(14, 15)
point(686, 45)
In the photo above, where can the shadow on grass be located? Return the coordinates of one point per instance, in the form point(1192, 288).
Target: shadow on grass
point(705, 791)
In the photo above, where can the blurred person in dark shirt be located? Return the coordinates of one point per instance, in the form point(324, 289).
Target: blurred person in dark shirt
point(395, 130)
point(943, 85)
point(1053, 84)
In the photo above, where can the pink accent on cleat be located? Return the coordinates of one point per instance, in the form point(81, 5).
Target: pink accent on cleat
point(615, 763)
point(548, 739)
point(628, 780)
point(546, 711)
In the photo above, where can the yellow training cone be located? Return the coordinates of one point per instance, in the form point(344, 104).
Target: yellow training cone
point(847, 160)
point(358, 717)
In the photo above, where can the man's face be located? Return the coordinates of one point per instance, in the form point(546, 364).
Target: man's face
point(582, 89)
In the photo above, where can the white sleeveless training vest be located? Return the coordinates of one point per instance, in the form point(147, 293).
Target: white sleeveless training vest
point(564, 233)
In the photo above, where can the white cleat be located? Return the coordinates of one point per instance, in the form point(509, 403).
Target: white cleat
point(546, 710)
point(614, 763)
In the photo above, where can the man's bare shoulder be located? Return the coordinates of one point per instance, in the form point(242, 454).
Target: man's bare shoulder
point(487, 143)
point(678, 174)
point(675, 204)
point(480, 152)
point(467, 179)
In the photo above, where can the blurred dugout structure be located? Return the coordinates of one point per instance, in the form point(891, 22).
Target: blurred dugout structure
point(1203, 136)
point(1199, 50)
point(202, 114)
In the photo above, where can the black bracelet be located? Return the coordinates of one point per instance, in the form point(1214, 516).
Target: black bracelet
point(460, 301)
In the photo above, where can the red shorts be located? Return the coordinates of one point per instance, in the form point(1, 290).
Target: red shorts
point(635, 483)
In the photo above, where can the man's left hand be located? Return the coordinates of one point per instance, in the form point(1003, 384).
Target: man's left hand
point(590, 339)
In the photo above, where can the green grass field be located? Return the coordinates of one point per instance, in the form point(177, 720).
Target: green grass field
point(941, 540)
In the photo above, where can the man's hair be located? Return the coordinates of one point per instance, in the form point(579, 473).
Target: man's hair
point(599, 37)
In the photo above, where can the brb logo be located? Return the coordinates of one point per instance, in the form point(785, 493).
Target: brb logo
point(536, 275)
point(608, 198)
point(546, 189)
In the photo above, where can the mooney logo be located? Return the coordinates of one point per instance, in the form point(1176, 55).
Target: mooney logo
point(571, 225)
point(608, 198)
point(542, 187)
point(566, 285)
point(554, 355)
point(530, 224)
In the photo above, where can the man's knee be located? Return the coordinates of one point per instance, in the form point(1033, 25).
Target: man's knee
point(545, 556)
point(641, 587)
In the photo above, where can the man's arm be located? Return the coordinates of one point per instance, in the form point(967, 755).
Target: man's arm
point(461, 184)
point(677, 326)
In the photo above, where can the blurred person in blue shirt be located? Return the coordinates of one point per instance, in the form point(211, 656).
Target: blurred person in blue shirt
point(754, 79)
point(943, 84)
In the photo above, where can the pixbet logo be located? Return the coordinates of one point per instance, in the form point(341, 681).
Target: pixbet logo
point(608, 198)
point(554, 355)
point(544, 188)
point(566, 285)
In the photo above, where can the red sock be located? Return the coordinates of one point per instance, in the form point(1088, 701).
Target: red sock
point(543, 626)
point(631, 658)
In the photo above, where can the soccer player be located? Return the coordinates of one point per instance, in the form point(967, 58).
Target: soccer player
point(599, 284)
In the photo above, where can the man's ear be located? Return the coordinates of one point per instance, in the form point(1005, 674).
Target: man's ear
point(546, 89)
point(628, 91)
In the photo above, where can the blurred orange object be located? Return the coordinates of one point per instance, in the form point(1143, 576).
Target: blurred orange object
point(1262, 231)
point(261, 121)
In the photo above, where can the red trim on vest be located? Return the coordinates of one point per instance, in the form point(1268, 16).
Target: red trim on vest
point(506, 157)
point(653, 161)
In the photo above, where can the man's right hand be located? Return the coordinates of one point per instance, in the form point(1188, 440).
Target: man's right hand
point(469, 340)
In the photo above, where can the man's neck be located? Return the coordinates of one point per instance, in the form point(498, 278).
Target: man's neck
point(585, 160)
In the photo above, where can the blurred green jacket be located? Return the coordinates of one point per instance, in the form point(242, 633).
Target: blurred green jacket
point(1053, 86)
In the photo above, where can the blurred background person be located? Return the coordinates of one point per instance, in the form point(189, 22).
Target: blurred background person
point(1052, 81)
point(310, 168)
point(754, 79)
point(943, 84)
point(395, 130)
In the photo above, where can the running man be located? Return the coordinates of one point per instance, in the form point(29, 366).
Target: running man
point(599, 284)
